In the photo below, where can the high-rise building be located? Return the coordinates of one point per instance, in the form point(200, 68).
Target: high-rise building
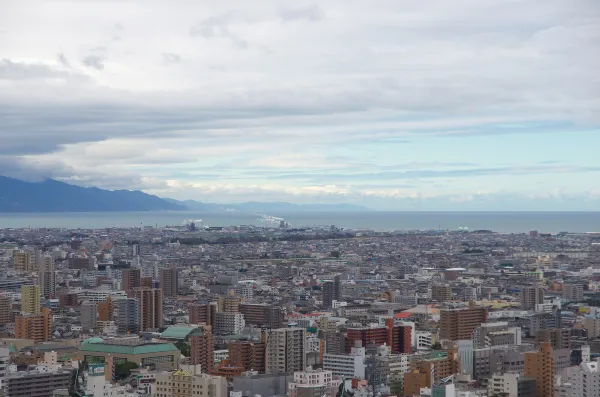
point(30, 299)
point(180, 383)
point(332, 291)
point(559, 338)
point(151, 307)
point(68, 299)
point(540, 366)
point(228, 323)
point(586, 381)
point(105, 310)
point(441, 293)
point(36, 383)
point(5, 309)
point(262, 315)
point(23, 261)
point(459, 323)
point(397, 337)
point(285, 350)
point(592, 325)
point(496, 334)
point(46, 277)
point(146, 282)
point(531, 296)
point(128, 315)
point(229, 303)
point(202, 348)
point(89, 316)
point(131, 278)
point(202, 313)
point(572, 292)
point(250, 355)
point(309, 383)
point(425, 371)
point(36, 327)
point(169, 281)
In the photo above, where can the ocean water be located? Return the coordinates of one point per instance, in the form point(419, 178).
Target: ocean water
point(506, 222)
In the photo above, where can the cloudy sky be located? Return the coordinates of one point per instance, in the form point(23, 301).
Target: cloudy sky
point(394, 104)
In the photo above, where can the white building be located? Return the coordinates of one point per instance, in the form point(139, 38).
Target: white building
point(346, 365)
point(424, 340)
point(228, 323)
point(220, 355)
point(313, 344)
point(99, 295)
point(313, 382)
point(586, 382)
point(507, 383)
point(4, 360)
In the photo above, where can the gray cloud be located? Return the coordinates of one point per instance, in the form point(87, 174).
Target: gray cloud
point(218, 27)
point(310, 13)
point(94, 61)
point(169, 58)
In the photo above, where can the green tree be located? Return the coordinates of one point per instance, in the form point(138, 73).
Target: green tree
point(184, 348)
point(123, 370)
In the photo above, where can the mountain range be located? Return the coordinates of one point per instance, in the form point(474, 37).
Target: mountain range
point(54, 196)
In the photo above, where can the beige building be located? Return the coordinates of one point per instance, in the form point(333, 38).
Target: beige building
point(229, 303)
point(46, 277)
point(441, 293)
point(23, 261)
point(36, 327)
point(286, 350)
point(169, 281)
point(459, 323)
point(30, 299)
point(183, 384)
point(164, 356)
point(540, 366)
point(593, 327)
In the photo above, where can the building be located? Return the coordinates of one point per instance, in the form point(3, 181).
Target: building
point(425, 371)
point(531, 296)
point(313, 383)
point(4, 361)
point(540, 321)
point(169, 281)
point(30, 299)
point(99, 295)
point(163, 355)
point(180, 383)
point(105, 310)
point(586, 381)
point(228, 323)
point(245, 290)
point(496, 334)
point(128, 315)
point(285, 350)
point(146, 282)
point(23, 261)
point(572, 292)
point(201, 348)
point(229, 303)
point(251, 384)
point(68, 300)
point(151, 307)
point(131, 278)
point(202, 313)
point(351, 365)
point(262, 315)
point(559, 338)
point(89, 316)
point(249, 355)
point(459, 323)
point(36, 383)
point(441, 293)
point(36, 327)
point(593, 326)
point(398, 337)
point(47, 277)
point(5, 310)
point(332, 291)
point(540, 366)
point(512, 385)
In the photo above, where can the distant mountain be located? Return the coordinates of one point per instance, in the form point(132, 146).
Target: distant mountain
point(55, 196)
point(269, 207)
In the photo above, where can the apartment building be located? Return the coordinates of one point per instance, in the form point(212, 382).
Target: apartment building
point(285, 350)
point(262, 315)
point(36, 327)
point(202, 313)
point(180, 383)
point(459, 323)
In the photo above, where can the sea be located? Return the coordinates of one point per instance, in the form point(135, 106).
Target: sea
point(503, 222)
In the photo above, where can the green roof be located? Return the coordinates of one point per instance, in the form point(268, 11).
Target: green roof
point(145, 348)
point(92, 340)
point(177, 332)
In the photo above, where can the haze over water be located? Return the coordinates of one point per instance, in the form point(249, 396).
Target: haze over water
point(506, 222)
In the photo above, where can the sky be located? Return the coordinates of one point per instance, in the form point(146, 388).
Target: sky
point(391, 104)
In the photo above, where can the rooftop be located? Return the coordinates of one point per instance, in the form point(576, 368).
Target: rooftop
point(113, 346)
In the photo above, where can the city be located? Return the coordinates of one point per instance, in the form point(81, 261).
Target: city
point(273, 311)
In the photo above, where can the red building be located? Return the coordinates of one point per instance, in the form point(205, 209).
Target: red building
point(398, 337)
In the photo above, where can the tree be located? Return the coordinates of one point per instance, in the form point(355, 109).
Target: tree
point(123, 370)
point(436, 346)
point(184, 348)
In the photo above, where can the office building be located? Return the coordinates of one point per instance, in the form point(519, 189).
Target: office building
point(36, 327)
point(228, 323)
point(229, 304)
point(245, 290)
point(586, 381)
point(539, 365)
point(131, 278)
point(351, 365)
point(23, 261)
point(559, 338)
point(105, 310)
point(285, 350)
point(89, 316)
point(30, 299)
point(151, 307)
point(202, 313)
point(540, 321)
point(397, 337)
point(311, 383)
point(592, 325)
point(180, 383)
point(68, 299)
point(36, 383)
point(169, 281)
point(162, 355)
point(441, 293)
point(531, 296)
point(128, 315)
point(5, 310)
point(512, 385)
point(459, 323)
point(249, 355)
point(332, 291)
point(262, 315)
point(47, 277)
point(201, 348)
point(424, 371)
point(572, 292)
point(496, 334)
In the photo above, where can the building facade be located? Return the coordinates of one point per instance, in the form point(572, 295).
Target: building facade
point(285, 350)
